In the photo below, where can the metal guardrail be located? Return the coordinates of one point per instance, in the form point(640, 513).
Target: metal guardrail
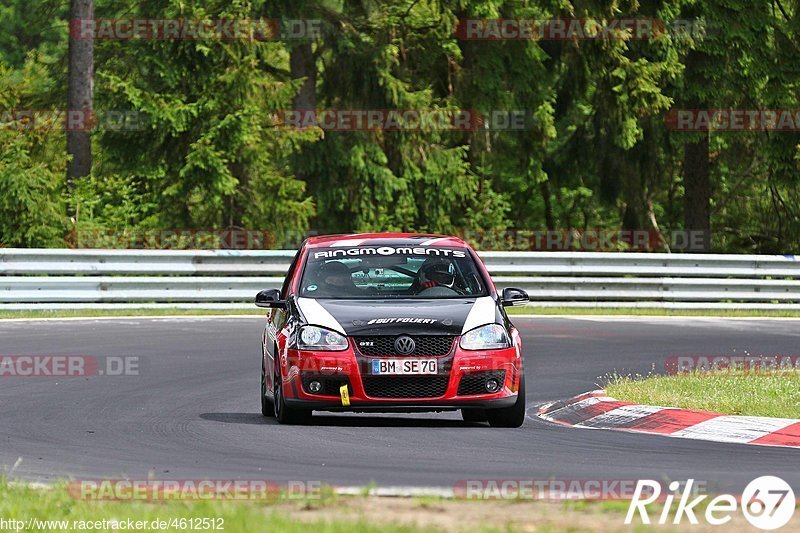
point(221, 279)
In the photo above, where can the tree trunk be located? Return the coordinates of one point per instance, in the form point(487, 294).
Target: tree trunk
point(696, 179)
point(80, 96)
point(302, 65)
point(549, 219)
point(697, 193)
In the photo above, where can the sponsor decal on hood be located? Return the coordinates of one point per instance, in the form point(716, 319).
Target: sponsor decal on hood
point(401, 321)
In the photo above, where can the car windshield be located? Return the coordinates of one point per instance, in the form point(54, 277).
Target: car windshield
point(386, 272)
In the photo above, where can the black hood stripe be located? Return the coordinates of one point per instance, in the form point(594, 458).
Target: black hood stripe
point(394, 317)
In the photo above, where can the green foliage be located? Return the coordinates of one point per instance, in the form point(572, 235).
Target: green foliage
point(209, 153)
point(208, 156)
point(32, 164)
point(29, 204)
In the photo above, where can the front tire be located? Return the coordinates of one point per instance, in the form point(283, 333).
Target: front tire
point(509, 417)
point(283, 413)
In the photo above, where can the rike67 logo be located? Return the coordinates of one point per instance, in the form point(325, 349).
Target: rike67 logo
point(768, 503)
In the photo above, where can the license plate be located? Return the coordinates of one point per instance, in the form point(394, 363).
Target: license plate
point(404, 366)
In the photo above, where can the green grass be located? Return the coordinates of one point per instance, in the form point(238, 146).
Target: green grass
point(328, 513)
point(735, 392)
point(21, 503)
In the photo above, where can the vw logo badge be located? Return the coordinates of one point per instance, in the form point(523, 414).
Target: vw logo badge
point(404, 345)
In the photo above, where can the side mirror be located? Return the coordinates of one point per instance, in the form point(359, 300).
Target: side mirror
point(270, 298)
point(512, 296)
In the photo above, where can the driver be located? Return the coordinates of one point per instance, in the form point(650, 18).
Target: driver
point(436, 272)
point(336, 279)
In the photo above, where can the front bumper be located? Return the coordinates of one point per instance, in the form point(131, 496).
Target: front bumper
point(458, 383)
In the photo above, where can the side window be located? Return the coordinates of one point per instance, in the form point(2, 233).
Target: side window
point(287, 282)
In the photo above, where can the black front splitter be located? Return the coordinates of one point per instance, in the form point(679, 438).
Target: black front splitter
point(376, 407)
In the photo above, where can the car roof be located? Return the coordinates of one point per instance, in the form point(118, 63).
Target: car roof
point(384, 239)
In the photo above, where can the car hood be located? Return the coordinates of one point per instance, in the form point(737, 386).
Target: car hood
point(394, 317)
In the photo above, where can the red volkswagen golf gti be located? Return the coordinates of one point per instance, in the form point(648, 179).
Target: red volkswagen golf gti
point(392, 322)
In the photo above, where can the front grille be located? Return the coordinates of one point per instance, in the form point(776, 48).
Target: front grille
point(330, 385)
point(473, 383)
point(426, 345)
point(405, 386)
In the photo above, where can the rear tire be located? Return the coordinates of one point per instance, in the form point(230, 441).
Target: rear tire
point(284, 413)
point(509, 417)
point(474, 415)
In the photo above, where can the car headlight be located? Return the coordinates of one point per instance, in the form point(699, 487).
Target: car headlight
point(316, 338)
point(488, 337)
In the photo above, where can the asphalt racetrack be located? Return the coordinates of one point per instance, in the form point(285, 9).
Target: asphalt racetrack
point(193, 412)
